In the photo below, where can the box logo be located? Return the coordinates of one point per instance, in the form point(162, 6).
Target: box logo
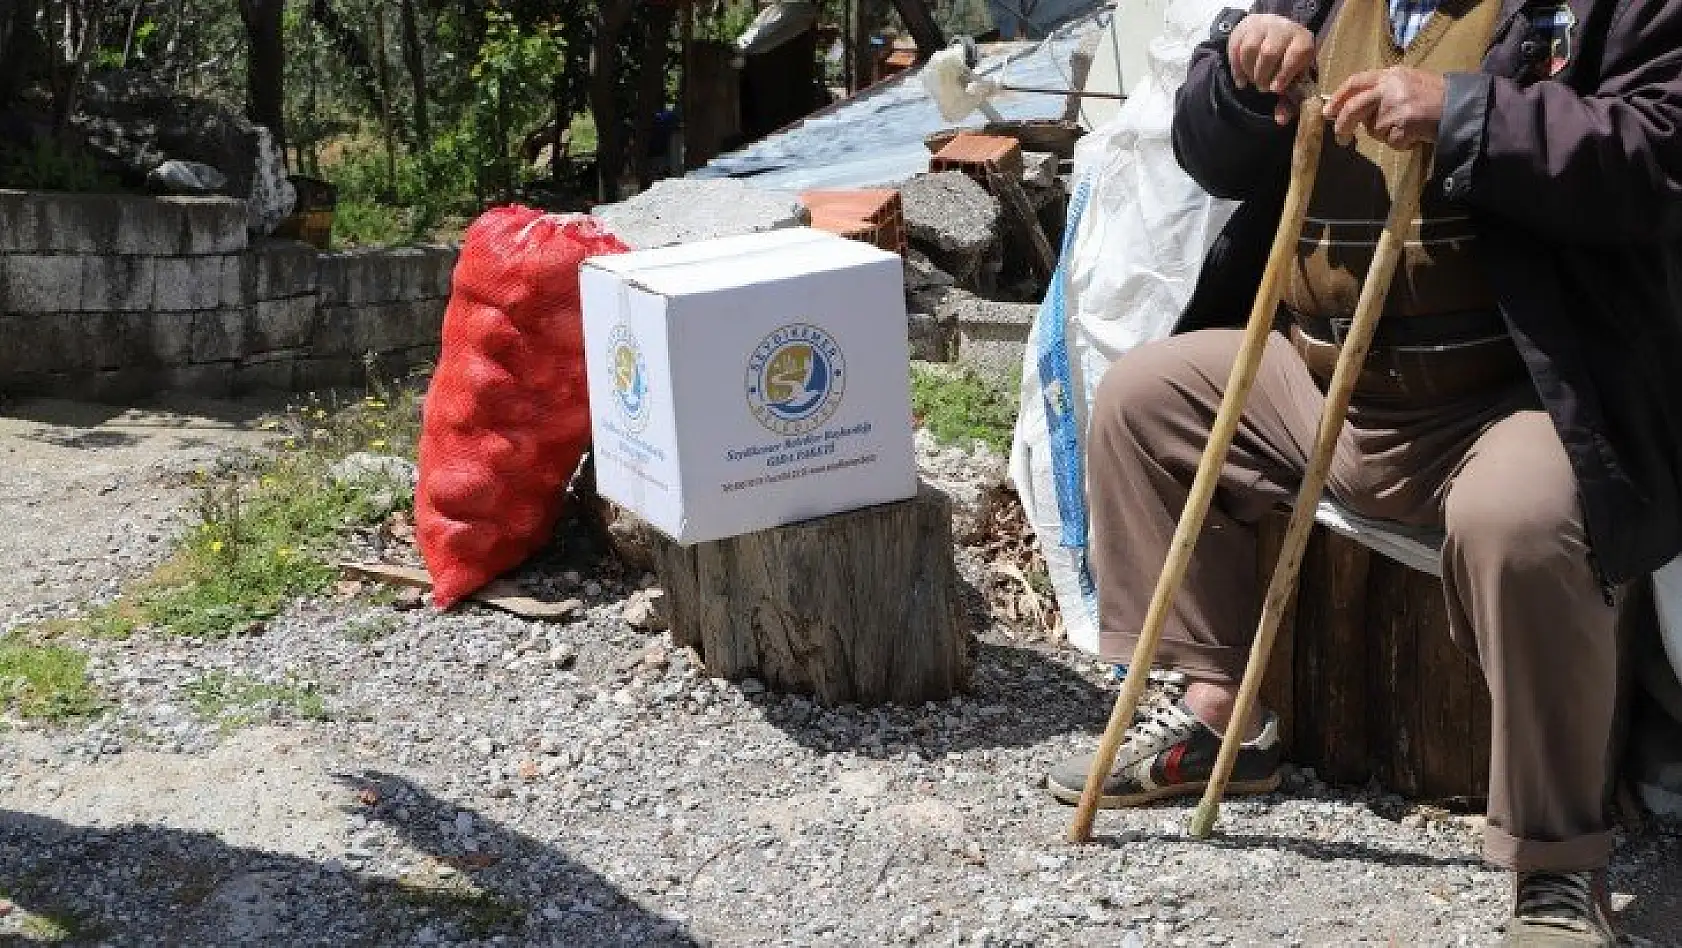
point(630, 377)
point(795, 379)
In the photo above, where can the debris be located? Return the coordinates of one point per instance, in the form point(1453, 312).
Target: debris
point(643, 610)
point(685, 210)
point(1039, 169)
point(501, 593)
point(955, 222)
point(409, 598)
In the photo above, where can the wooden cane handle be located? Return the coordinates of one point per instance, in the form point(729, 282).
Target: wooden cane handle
point(1305, 163)
point(1353, 356)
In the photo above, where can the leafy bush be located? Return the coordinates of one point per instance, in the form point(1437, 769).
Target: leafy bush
point(45, 165)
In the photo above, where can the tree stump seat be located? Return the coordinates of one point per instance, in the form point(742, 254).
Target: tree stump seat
point(1364, 677)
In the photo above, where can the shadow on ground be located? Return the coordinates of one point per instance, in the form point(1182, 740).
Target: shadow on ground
point(1020, 697)
point(151, 885)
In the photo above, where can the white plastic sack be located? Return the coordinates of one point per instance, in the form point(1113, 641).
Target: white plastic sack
point(1139, 228)
point(776, 25)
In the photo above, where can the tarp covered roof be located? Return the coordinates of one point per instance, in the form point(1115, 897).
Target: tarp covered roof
point(876, 137)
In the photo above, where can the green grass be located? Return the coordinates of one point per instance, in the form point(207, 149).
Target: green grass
point(45, 682)
point(959, 407)
point(480, 914)
point(583, 139)
point(370, 224)
point(266, 532)
point(237, 700)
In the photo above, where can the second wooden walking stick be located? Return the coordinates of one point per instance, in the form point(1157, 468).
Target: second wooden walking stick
point(1404, 207)
point(1305, 162)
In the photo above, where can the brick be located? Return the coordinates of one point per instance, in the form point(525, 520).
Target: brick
point(976, 155)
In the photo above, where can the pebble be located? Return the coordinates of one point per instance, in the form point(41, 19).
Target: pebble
point(609, 791)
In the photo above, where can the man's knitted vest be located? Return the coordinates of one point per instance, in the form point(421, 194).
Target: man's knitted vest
point(1439, 273)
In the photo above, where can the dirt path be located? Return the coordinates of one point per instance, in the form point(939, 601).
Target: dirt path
point(476, 779)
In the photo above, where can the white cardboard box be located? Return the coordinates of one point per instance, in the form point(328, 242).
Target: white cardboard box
point(749, 382)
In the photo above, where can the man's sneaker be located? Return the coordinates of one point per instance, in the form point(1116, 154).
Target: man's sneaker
point(1169, 752)
point(1558, 910)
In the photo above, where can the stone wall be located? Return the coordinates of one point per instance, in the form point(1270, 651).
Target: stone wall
point(109, 297)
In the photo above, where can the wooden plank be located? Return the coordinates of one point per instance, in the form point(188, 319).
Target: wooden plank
point(1279, 688)
point(1331, 649)
point(501, 593)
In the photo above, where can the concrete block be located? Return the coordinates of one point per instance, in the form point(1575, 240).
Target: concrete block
point(957, 225)
point(270, 372)
point(107, 341)
point(931, 337)
point(684, 210)
point(237, 280)
point(185, 283)
point(43, 222)
point(993, 336)
point(282, 269)
point(35, 346)
point(218, 335)
point(281, 324)
point(34, 283)
point(113, 283)
point(382, 327)
point(212, 225)
point(320, 374)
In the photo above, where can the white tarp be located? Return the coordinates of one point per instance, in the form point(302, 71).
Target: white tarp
point(1138, 230)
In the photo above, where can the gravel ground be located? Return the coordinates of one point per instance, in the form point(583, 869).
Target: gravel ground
point(474, 778)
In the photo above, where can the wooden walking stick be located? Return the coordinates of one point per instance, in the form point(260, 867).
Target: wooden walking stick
point(1403, 209)
point(1305, 162)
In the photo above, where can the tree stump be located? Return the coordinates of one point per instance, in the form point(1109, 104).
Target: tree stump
point(1365, 680)
point(860, 607)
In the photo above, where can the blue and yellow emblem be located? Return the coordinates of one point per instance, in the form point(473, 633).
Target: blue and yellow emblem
point(795, 379)
point(630, 377)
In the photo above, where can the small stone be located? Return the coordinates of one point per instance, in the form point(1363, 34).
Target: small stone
point(752, 686)
point(484, 746)
point(643, 610)
point(563, 655)
point(409, 598)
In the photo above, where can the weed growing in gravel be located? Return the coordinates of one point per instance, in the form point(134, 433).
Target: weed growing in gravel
point(45, 928)
point(481, 914)
point(236, 700)
point(959, 407)
point(45, 682)
point(371, 629)
point(267, 529)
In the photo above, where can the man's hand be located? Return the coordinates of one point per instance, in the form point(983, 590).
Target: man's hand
point(1400, 106)
point(1271, 53)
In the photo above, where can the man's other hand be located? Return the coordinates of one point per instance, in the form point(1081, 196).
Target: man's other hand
point(1270, 53)
point(1400, 106)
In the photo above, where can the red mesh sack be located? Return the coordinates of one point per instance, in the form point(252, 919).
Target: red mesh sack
point(507, 415)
